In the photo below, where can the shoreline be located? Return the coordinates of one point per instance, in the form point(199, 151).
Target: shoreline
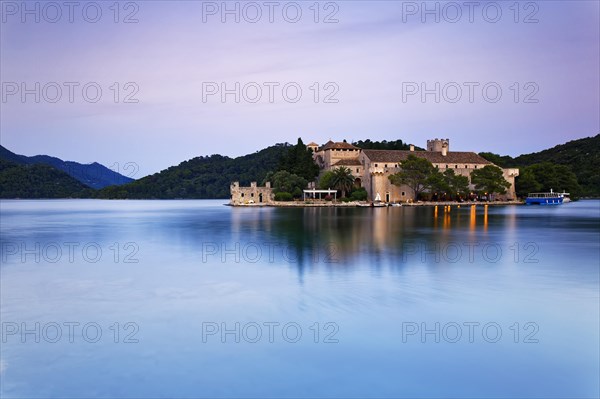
point(295, 204)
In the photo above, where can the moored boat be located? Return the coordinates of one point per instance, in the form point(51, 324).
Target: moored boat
point(550, 198)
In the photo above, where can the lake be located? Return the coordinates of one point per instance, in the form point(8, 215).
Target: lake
point(196, 299)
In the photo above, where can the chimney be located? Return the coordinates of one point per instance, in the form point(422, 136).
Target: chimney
point(268, 184)
point(444, 151)
point(412, 147)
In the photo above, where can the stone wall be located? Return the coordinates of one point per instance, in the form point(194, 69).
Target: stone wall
point(253, 195)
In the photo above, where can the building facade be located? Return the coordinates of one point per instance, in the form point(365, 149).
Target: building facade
point(251, 195)
point(372, 168)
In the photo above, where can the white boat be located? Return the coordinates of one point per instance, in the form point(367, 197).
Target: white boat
point(377, 203)
point(566, 197)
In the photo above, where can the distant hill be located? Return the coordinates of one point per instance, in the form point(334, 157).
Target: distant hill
point(582, 156)
point(201, 177)
point(38, 181)
point(209, 176)
point(93, 175)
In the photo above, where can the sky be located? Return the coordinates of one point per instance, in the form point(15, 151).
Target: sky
point(155, 83)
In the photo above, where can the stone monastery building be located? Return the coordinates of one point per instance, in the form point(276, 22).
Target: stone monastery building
point(371, 169)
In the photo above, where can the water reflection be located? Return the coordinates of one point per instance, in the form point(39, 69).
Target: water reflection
point(387, 266)
point(347, 238)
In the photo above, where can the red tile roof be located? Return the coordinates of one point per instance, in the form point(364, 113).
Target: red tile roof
point(347, 162)
point(330, 145)
point(455, 157)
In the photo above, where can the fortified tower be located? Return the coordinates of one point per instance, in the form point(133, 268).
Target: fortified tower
point(437, 145)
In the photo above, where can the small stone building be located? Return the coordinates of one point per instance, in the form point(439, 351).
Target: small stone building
point(253, 195)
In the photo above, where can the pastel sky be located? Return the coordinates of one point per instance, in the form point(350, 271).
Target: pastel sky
point(369, 61)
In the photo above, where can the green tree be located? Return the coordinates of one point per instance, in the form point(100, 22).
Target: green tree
point(286, 182)
point(489, 179)
point(360, 194)
point(283, 197)
point(504, 161)
point(437, 182)
point(456, 184)
point(416, 173)
point(546, 176)
point(382, 145)
point(299, 161)
point(342, 180)
point(326, 180)
point(526, 182)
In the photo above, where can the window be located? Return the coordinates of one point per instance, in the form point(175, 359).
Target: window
point(446, 166)
point(403, 193)
point(357, 170)
point(455, 166)
point(475, 166)
point(376, 165)
point(466, 166)
point(252, 195)
point(242, 195)
point(385, 166)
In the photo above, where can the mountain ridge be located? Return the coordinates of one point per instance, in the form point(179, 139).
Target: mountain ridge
point(93, 175)
point(208, 177)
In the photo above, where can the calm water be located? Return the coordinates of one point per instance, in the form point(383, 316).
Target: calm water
point(195, 299)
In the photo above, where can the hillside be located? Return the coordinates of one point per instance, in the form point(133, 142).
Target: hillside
point(208, 177)
point(38, 181)
point(201, 177)
point(581, 156)
point(93, 175)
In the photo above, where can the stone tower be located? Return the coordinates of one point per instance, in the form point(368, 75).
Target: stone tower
point(438, 145)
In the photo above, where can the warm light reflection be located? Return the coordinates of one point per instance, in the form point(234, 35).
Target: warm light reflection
point(473, 218)
point(446, 223)
point(485, 217)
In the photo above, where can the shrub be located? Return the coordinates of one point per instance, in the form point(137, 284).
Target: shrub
point(283, 196)
point(347, 199)
point(360, 194)
point(328, 198)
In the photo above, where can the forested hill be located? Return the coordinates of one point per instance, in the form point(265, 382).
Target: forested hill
point(581, 156)
point(93, 175)
point(201, 177)
point(210, 176)
point(38, 181)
